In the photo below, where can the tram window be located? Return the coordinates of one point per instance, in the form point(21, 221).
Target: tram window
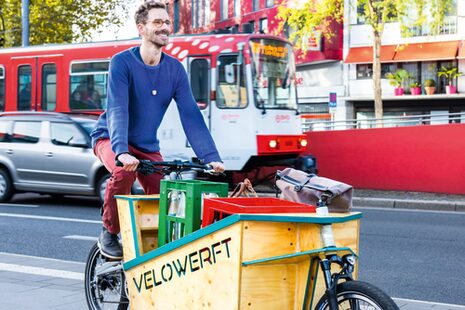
point(227, 89)
point(199, 81)
point(49, 87)
point(83, 67)
point(88, 85)
point(24, 88)
point(2, 88)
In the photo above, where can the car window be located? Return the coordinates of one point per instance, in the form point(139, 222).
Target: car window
point(64, 133)
point(4, 131)
point(87, 125)
point(26, 132)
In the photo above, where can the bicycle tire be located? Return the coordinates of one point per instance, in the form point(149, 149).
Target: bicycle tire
point(362, 292)
point(95, 288)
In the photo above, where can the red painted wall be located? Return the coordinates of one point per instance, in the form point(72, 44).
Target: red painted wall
point(422, 158)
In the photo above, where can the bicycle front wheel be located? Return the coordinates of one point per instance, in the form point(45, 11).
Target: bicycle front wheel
point(359, 295)
point(107, 291)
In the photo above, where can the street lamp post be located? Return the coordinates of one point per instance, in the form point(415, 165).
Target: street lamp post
point(25, 22)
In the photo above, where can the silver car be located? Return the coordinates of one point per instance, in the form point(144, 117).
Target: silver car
point(49, 153)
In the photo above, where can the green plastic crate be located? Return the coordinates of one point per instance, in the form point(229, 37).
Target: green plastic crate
point(193, 189)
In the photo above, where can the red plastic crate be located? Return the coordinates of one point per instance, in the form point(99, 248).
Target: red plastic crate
point(218, 208)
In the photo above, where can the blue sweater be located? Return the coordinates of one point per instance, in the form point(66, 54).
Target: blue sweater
point(134, 113)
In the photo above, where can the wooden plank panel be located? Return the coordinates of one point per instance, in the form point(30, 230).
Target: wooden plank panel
point(126, 229)
point(266, 239)
point(268, 286)
point(203, 274)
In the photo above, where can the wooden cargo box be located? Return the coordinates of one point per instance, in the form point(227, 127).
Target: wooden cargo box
point(245, 261)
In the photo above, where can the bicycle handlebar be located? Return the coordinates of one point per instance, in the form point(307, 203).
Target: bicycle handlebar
point(147, 167)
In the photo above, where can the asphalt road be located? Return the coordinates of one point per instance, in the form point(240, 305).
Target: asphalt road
point(409, 254)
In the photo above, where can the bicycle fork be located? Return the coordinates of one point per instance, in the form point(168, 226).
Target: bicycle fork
point(346, 263)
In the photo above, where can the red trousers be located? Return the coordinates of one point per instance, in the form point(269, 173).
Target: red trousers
point(120, 181)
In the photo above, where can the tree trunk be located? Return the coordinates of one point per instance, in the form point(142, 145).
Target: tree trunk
point(377, 79)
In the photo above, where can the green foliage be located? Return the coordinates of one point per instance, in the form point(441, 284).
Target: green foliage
point(311, 17)
point(450, 73)
point(59, 21)
point(314, 15)
point(426, 16)
point(397, 78)
point(430, 83)
point(415, 84)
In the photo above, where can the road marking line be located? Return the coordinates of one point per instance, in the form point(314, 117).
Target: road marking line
point(429, 302)
point(40, 257)
point(18, 205)
point(78, 237)
point(50, 218)
point(42, 271)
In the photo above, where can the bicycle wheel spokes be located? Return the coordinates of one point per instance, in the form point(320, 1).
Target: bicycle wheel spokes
point(355, 301)
point(107, 290)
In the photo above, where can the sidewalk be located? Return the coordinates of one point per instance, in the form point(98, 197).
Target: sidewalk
point(396, 199)
point(34, 283)
point(408, 200)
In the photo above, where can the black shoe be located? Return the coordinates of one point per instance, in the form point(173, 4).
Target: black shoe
point(109, 245)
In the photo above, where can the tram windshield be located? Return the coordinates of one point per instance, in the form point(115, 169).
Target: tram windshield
point(273, 70)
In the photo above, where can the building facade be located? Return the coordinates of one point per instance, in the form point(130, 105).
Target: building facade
point(319, 70)
point(343, 65)
point(421, 54)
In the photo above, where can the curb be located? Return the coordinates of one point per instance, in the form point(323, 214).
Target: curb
point(437, 205)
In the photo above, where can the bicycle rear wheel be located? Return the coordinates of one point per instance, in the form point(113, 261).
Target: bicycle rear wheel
point(359, 295)
point(105, 292)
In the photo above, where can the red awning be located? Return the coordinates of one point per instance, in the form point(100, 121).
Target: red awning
point(430, 51)
point(364, 54)
point(461, 54)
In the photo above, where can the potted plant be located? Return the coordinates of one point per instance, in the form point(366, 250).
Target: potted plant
point(415, 88)
point(397, 79)
point(430, 86)
point(450, 73)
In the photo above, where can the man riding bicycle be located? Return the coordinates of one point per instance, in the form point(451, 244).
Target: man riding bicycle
point(142, 82)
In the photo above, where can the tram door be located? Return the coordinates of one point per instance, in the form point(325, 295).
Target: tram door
point(199, 76)
point(34, 83)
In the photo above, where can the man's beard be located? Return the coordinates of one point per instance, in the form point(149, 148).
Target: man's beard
point(156, 40)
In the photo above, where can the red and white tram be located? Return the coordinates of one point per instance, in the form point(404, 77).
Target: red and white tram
point(243, 83)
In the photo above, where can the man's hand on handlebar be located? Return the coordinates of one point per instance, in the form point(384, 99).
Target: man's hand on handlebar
point(217, 166)
point(129, 162)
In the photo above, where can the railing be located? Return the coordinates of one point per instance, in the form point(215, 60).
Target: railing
point(385, 122)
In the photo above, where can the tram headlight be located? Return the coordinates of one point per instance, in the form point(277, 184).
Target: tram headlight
point(273, 144)
point(303, 143)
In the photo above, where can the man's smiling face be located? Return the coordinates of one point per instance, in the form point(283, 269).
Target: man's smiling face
point(157, 28)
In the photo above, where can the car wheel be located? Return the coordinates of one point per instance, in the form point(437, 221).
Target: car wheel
point(6, 186)
point(101, 186)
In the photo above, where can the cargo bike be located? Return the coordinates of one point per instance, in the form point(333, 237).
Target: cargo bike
point(246, 253)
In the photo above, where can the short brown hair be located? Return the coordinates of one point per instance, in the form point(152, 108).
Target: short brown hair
point(143, 11)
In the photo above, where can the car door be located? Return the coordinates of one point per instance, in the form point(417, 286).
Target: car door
point(25, 152)
point(69, 158)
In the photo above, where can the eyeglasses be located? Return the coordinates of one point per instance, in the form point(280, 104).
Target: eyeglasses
point(159, 22)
